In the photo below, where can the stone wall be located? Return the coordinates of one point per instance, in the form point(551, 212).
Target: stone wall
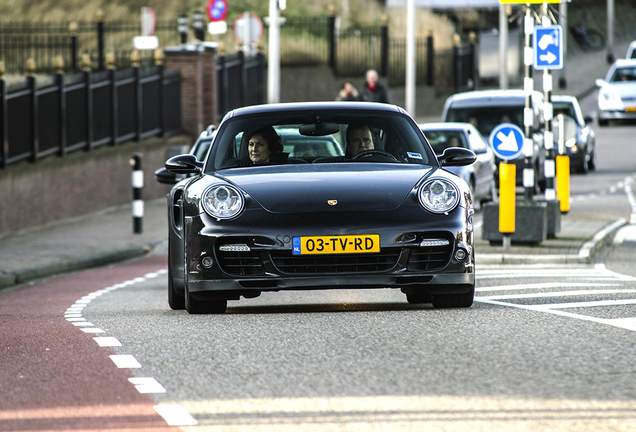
point(56, 188)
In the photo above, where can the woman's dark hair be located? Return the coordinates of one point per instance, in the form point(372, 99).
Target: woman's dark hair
point(272, 138)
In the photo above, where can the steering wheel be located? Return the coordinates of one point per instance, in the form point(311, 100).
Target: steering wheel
point(368, 153)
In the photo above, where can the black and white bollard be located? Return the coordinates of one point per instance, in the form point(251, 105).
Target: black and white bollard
point(137, 186)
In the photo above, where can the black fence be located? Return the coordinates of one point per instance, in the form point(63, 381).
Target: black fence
point(240, 80)
point(304, 41)
point(86, 110)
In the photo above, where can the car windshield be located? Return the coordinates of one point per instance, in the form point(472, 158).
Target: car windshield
point(440, 140)
point(624, 74)
point(487, 118)
point(286, 138)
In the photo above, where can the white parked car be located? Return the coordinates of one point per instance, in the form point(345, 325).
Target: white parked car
point(631, 51)
point(617, 92)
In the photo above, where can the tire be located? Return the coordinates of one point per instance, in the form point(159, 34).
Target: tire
point(582, 168)
point(446, 301)
point(603, 122)
point(175, 301)
point(591, 164)
point(198, 307)
point(418, 298)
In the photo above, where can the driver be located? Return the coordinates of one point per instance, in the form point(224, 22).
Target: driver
point(359, 138)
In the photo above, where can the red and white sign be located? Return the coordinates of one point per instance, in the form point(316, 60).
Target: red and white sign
point(248, 28)
point(148, 21)
point(217, 10)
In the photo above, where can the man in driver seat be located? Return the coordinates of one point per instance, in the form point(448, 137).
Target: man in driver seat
point(359, 138)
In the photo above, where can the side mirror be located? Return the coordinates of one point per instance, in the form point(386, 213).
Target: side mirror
point(455, 156)
point(164, 176)
point(599, 82)
point(184, 164)
point(588, 119)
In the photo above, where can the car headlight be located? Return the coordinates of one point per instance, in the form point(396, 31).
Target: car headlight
point(222, 202)
point(609, 99)
point(439, 195)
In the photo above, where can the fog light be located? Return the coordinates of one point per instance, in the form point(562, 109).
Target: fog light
point(235, 248)
point(207, 262)
point(460, 255)
point(434, 242)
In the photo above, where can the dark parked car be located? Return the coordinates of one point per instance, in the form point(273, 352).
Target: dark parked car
point(387, 217)
point(486, 109)
point(480, 175)
point(582, 149)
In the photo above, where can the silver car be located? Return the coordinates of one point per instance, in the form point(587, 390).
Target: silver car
point(582, 150)
point(480, 175)
point(617, 92)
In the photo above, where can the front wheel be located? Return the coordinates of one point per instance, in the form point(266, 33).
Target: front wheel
point(464, 300)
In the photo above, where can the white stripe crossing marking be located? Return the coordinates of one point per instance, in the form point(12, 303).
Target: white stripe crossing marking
point(175, 415)
point(107, 341)
point(558, 294)
point(125, 361)
point(147, 385)
point(545, 285)
point(598, 273)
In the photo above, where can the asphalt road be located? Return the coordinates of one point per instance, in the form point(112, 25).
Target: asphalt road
point(544, 348)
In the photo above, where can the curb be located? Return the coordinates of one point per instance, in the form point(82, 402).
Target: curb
point(18, 277)
point(584, 256)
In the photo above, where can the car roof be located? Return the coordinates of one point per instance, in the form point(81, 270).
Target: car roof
point(563, 98)
point(445, 125)
point(488, 98)
point(309, 106)
point(624, 62)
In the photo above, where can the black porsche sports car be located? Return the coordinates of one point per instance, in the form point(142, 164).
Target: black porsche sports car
point(319, 195)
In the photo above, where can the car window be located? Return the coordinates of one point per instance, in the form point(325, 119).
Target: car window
point(319, 138)
point(440, 140)
point(487, 118)
point(624, 74)
point(477, 143)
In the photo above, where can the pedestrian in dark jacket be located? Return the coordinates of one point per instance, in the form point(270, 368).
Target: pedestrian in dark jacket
point(373, 91)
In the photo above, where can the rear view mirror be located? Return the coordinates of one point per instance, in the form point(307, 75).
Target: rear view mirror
point(455, 156)
point(319, 129)
point(184, 164)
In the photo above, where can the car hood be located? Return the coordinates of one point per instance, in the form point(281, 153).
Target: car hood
point(624, 89)
point(355, 187)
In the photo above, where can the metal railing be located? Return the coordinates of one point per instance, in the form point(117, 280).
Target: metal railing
point(86, 110)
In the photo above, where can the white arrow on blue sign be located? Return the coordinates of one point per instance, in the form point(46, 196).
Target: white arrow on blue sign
point(548, 47)
point(507, 141)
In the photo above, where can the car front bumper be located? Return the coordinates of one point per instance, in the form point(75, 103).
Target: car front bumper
point(266, 262)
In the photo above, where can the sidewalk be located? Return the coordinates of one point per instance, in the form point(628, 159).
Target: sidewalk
point(107, 236)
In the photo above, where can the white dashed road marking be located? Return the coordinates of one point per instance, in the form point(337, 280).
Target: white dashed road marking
point(174, 415)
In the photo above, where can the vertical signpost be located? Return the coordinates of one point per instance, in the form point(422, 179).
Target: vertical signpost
point(507, 141)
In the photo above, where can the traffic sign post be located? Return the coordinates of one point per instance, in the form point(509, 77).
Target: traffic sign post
point(548, 47)
point(217, 10)
point(506, 141)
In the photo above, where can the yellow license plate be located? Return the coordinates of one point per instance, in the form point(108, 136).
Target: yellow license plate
point(630, 109)
point(346, 244)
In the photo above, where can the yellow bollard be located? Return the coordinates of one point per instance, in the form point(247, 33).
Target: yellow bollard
point(507, 199)
point(563, 182)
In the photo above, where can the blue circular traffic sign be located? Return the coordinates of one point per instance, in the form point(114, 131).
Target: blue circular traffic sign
point(217, 10)
point(506, 140)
